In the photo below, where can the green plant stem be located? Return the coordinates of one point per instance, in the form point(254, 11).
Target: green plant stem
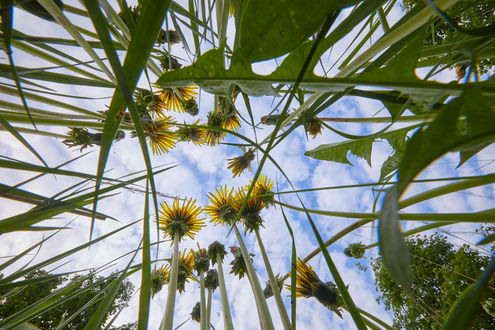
point(375, 319)
point(227, 317)
point(168, 317)
point(208, 309)
point(447, 189)
point(273, 283)
point(488, 215)
point(264, 313)
point(436, 192)
point(202, 301)
point(37, 132)
point(394, 36)
point(22, 119)
point(416, 230)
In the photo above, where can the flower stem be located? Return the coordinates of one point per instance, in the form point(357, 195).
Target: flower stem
point(264, 313)
point(227, 318)
point(202, 301)
point(168, 318)
point(208, 309)
point(273, 283)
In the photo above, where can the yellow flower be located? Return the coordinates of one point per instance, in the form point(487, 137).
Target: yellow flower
point(313, 127)
point(161, 138)
point(172, 97)
point(146, 102)
point(191, 134)
point(239, 164)
point(184, 219)
point(222, 211)
point(263, 189)
point(185, 274)
point(215, 120)
point(159, 276)
point(231, 9)
point(309, 285)
point(251, 212)
point(230, 115)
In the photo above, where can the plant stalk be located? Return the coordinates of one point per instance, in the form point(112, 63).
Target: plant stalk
point(264, 313)
point(208, 309)
point(168, 317)
point(202, 301)
point(274, 284)
point(227, 318)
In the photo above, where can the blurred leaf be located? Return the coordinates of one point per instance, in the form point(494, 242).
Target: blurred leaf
point(487, 240)
point(392, 244)
point(443, 134)
point(466, 154)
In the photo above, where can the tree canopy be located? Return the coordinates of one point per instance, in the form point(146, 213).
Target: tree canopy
point(468, 15)
point(441, 272)
point(92, 285)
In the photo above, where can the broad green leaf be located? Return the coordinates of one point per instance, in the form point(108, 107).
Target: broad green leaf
point(272, 28)
point(337, 152)
point(392, 244)
point(442, 134)
point(466, 154)
point(209, 73)
point(460, 315)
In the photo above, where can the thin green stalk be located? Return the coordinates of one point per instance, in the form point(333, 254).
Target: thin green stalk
point(447, 189)
point(375, 319)
point(394, 36)
point(22, 119)
point(487, 216)
point(52, 8)
point(274, 284)
point(264, 313)
point(227, 318)
point(416, 231)
point(37, 132)
point(168, 317)
point(208, 309)
point(202, 301)
point(383, 19)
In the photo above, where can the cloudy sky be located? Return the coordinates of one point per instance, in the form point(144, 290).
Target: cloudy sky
point(203, 169)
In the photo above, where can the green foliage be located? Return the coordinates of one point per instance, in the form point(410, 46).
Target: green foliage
point(51, 319)
point(453, 117)
point(440, 273)
point(468, 14)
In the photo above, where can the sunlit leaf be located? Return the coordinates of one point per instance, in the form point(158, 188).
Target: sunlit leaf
point(393, 247)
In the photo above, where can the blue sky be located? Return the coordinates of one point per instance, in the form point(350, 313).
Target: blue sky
point(203, 169)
